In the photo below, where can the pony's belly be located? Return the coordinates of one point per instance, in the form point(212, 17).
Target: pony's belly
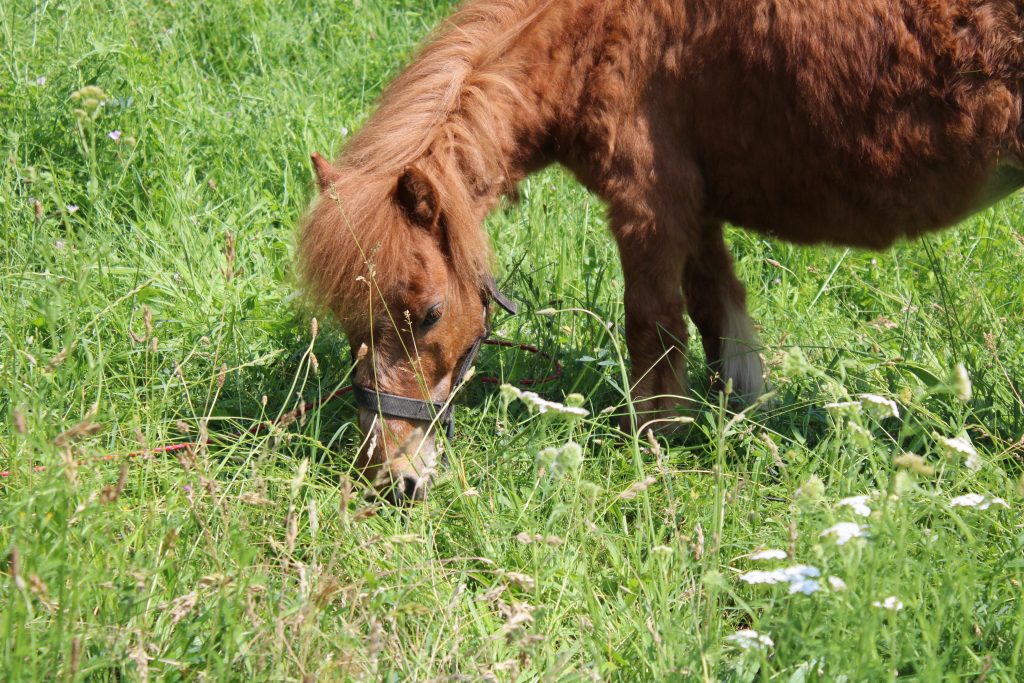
point(1007, 178)
point(868, 215)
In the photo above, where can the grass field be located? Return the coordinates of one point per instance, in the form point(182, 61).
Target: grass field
point(127, 322)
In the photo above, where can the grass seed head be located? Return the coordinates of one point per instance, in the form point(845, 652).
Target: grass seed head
point(181, 607)
point(83, 429)
point(915, 463)
point(252, 498)
point(229, 256)
point(111, 493)
point(18, 417)
point(637, 488)
point(57, 360)
point(291, 529)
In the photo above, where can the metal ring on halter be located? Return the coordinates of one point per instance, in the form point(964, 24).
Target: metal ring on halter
point(406, 408)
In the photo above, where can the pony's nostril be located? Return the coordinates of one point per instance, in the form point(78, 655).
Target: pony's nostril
point(412, 489)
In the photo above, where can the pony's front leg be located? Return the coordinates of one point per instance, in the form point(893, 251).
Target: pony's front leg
point(652, 260)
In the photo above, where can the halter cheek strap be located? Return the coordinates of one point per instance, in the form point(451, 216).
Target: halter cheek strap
point(510, 306)
point(406, 408)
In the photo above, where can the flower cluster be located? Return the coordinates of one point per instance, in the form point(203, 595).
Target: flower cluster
point(535, 403)
point(801, 578)
point(749, 639)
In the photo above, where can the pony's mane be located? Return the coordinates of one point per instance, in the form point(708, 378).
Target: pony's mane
point(450, 115)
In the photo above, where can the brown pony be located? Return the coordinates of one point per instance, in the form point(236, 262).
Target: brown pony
point(852, 123)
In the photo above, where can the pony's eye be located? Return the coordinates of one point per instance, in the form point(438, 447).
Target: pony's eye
point(432, 316)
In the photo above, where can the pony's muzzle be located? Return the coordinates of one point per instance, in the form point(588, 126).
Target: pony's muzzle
point(398, 457)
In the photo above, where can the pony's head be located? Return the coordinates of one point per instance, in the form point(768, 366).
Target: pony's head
point(399, 261)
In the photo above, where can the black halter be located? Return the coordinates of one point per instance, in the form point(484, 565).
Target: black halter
point(407, 408)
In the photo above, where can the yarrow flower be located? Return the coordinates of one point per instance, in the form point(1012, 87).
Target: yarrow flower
point(915, 463)
point(976, 501)
point(812, 489)
point(843, 407)
point(860, 434)
point(837, 584)
point(961, 447)
point(72, 208)
point(879, 407)
point(769, 554)
point(961, 383)
point(805, 586)
point(801, 578)
point(749, 639)
point(859, 504)
point(565, 458)
point(890, 603)
point(844, 532)
point(541, 405)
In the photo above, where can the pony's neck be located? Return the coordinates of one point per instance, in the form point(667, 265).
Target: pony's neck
point(490, 100)
point(515, 100)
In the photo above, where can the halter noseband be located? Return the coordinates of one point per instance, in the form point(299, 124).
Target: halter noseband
point(406, 408)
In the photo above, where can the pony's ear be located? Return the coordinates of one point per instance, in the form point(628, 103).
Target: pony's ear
point(418, 198)
point(325, 173)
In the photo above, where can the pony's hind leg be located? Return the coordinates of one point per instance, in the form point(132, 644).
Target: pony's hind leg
point(652, 257)
point(717, 303)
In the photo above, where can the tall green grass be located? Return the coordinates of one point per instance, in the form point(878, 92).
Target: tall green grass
point(127, 323)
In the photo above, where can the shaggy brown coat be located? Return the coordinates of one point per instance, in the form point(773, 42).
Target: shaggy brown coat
point(855, 123)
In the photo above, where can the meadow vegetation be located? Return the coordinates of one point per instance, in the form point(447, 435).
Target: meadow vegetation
point(863, 525)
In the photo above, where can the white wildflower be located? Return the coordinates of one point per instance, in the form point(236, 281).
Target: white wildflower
point(836, 583)
point(805, 586)
point(859, 504)
point(541, 405)
point(878, 406)
point(801, 578)
point(890, 603)
point(800, 570)
point(844, 532)
point(795, 363)
point(843, 407)
point(973, 462)
point(976, 501)
point(860, 434)
point(749, 639)
point(559, 460)
point(769, 554)
point(961, 383)
point(812, 489)
point(961, 447)
point(758, 576)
